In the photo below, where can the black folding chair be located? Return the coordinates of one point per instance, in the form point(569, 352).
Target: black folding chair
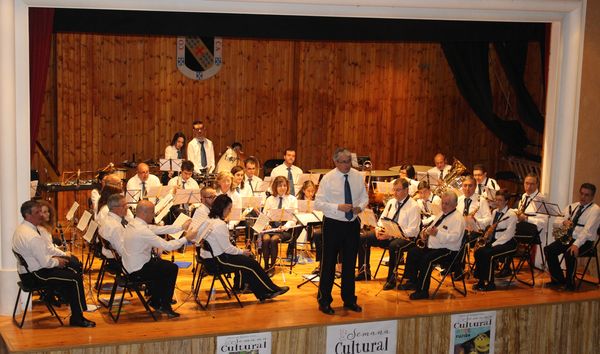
point(215, 270)
point(453, 264)
point(29, 285)
point(527, 237)
point(127, 282)
point(590, 254)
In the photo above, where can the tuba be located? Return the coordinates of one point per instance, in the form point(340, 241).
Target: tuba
point(457, 170)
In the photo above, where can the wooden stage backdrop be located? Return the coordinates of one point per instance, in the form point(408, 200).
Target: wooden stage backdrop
point(110, 97)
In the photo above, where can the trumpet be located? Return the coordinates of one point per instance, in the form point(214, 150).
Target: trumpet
point(485, 238)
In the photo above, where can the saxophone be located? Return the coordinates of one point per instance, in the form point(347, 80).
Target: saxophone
point(562, 234)
point(485, 238)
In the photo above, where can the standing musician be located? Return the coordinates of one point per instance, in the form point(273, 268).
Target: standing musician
point(138, 242)
point(48, 265)
point(280, 199)
point(426, 201)
point(526, 213)
point(174, 151)
point(232, 258)
point(498, 240)
point(341, 196)
point(404, 211)
point(200, 150)
point(143, 180)
point(443, 239)
point(288, 170)
point(483, 181)
point(440, 169)
point(580, 230)
point(476, 212)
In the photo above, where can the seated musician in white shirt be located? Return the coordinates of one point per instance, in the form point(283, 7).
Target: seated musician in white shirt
point(143, 180)
point(579, 230)
point(475, 211)
point(483, 182)
point(138, 242)
point(429, 203)
point(238, 183)
point(184, 181)
point(440, 169)
point(404, 211)
point(499, 242)
point(288, 170)
point(443, 239)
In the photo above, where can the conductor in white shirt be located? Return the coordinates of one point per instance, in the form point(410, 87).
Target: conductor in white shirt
point(288, 170)
point(138, 242)
point(342, 196)
point(200, 150)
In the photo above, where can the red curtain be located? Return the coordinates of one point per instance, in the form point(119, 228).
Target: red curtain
point(41, 23)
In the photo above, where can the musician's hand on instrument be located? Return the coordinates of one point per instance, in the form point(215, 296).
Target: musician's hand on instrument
point(432, 231)
point(573, 250)
point(191, 234)
point(567, 223)
point(522, 217)
point(345, 207)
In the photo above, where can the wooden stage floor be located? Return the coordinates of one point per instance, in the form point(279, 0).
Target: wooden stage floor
point(296, 309)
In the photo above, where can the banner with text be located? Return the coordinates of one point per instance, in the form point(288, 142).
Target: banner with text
point(369, 337)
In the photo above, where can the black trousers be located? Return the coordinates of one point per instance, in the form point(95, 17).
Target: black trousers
point(420, 262)
point(395, 246)
point(162, 276)
point(252, 274)
point(68, 283)
point(339, 237)
point(553, 252)
point(315, 234)
point(485, 257)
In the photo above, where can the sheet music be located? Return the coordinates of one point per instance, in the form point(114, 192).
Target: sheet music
point(314, 177)
point(187, 196)
point(158, 191)
point(133, 196)
point(261, 223)
point(200, 217)
point(307, 218)
point(84, 220)
point(89, 235)
point(281, 214)
point(547, 208)
point(158, 218)
point(367, 217)
point(170, 164)
point(71, 212)
point(421, 176)
point(391, 228)
point(383, 187)
point(163, 203)
point(319, 214)
point(263, 186)
point(251, 202)
point(181, 219)
point(235, 214)
point(306, 206)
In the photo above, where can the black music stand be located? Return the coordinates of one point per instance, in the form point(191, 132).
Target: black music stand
point(549, 209)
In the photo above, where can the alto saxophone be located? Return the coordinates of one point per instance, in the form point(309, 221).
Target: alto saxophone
point(562, 234)
point(421, 241)
point(485, 238)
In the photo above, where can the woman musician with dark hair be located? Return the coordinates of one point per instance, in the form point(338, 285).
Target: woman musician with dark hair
point(497, 242)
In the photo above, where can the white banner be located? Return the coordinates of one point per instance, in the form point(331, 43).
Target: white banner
point(370, 337)
point(253, 343)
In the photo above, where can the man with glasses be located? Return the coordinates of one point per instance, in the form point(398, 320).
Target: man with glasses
point(342, 196)
point(200, 150)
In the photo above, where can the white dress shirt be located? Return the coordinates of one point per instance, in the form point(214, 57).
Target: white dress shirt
point(139, 239)
point(587, 224)
point(135, 183)
point(427, 209)
point(331, 193)
point(409, 217)
point(526, 202)
point(218, 238)
point(483, 216)
point(190, 183)
point(489, 183)
point(112, 231)
point(434, 173)
point(282, 170)
point(507, 225)
point(94, 199)
point(171, 152)
point(34, 248)
point(287, 202)
point(194, 152)
point(450, 232)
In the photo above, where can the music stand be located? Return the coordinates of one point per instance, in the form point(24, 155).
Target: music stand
point(548, 209)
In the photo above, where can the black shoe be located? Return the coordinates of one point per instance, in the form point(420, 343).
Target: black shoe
point(419, 295)
point(363, 276)
point(353, 307)
point(282, 290)
point(316, 270)
point(173, 301)
point(326, 309)
point(553, 284)
point(390, 285)
point(338, 274)
point(83, 322)
point(168, 311)
point(570, 287)
point(407, 286)
point(478, 286)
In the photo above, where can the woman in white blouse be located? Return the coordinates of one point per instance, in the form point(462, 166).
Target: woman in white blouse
point(233, 259)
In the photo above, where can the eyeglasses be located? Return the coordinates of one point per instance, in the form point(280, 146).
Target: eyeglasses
point(209, 197)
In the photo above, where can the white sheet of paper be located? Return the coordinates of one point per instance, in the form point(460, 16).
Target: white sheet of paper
point(251, 202)
point(187, 196)
point(281, 214)
point(314, 177)
point(158, 191)
point(182, 218)
point(84, 220)
point(263, 186)
point(89, 234)
point(170, 164)
point(235, 214)
point(163, 203)
point(158, 218)
point(306, 218)
point(261, 223)
point(133, 196)
point(384, 187)
point(71, 212)
point(391, 228)
point(199, 218)
point(306, 206)
point(318, 214)
point(33, 188)
point(367, 217)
